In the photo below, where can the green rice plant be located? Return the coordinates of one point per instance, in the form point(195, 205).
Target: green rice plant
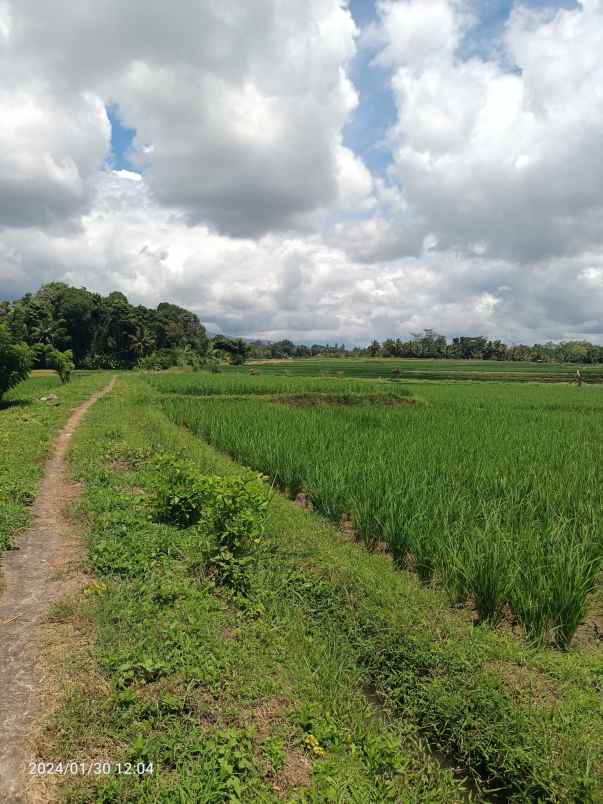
point(573, 575)
point(230, 383)
point(557, 573)
point(426, 552)
point(461, 488)
point(363, 510)
point(393, 528)
point(487, 568)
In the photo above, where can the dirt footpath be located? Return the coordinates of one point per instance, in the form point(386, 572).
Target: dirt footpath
point(30, 586)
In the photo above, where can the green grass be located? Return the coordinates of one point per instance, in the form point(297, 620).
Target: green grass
point(493, 490)
point(225, 695)
point(27, 429)
point(232, 699)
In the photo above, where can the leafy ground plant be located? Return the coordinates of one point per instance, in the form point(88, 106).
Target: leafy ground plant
point(233, 509)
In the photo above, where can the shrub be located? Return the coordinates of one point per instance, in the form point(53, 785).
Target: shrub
point(163, 359)
point(15, 361)
point(63, 364)
point(233, 509)
point(100, 361)
point(46, 356)
point(180, 492)
point(238, 510)
point(158, 361)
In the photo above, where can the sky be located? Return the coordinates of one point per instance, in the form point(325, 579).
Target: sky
point(323, 171)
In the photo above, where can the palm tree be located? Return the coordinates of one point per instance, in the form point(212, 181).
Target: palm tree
point(49, 332)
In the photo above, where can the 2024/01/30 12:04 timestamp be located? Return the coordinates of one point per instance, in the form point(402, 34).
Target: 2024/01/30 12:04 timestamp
point(90, 768)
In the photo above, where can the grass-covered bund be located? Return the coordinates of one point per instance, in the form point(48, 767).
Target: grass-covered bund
point(335, 675)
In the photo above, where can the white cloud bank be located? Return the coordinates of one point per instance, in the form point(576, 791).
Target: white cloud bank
point(251, 210)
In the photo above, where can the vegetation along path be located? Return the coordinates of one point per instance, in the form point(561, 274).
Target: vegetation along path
point(29, 587)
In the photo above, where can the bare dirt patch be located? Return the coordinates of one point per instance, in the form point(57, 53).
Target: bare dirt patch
point(296, 773)
point(267, 716)
point(525, 682)
point(36, 574)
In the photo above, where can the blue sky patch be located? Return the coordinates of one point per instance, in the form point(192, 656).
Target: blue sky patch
point(121, 140)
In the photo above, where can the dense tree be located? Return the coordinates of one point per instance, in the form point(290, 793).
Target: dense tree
point(15, 360)
point(374, 349)
point(235, 350)
point(102, 331)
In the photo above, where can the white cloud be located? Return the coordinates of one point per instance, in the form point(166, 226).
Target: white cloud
point(238, 107)
point(49, 155)
point(248, 207)
point(296, 286)
point(510, 159)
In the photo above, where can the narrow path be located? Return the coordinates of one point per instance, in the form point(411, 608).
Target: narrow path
point(30, 586)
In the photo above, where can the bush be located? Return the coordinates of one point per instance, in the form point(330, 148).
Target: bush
point(233, 509)
point(15, 361)
point(46, 356)
point(180, 492)
point(100, 361)
point(238, 514)
point(163, 359)
point(158, 361)
point(62, 362)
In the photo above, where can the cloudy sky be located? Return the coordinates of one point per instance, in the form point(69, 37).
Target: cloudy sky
point(313, 169)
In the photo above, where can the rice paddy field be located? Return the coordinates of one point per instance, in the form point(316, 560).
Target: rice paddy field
point(416, 368)
point(416, 617)
point(489, 490)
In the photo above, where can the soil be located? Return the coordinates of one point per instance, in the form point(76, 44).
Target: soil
point(33, 580)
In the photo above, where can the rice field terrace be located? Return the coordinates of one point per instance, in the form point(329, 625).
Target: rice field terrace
point(427, 369)
point(491, 491)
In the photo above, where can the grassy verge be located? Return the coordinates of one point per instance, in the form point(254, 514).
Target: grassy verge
point(269, 696)
point(27, 429)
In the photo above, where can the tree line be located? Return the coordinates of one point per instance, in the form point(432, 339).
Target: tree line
point(63, 327)
point(430, 344)
point(107, 332)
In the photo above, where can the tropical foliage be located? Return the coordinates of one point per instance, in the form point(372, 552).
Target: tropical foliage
point(15, 361)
